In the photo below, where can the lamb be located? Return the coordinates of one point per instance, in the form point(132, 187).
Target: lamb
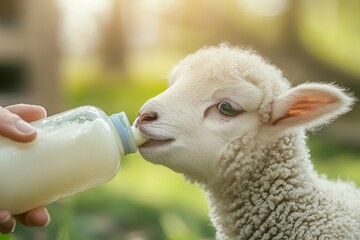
point(231, 123)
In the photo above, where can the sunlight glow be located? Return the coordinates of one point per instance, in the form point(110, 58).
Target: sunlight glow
point(81, 23)
point(83, 20)
point(267, 8)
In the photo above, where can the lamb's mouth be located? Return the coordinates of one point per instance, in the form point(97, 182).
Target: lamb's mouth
point(156, 143)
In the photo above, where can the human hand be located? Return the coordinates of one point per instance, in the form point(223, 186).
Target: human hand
point(13, 125)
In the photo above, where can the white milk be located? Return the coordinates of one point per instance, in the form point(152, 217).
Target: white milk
point(65, 158)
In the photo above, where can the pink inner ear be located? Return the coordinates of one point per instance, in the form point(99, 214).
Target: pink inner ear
point(307, 107)
point(307, 104)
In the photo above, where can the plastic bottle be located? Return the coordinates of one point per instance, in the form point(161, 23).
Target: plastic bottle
point(73, 151)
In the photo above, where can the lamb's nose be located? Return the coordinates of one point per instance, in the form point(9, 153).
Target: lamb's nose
point(148, 117)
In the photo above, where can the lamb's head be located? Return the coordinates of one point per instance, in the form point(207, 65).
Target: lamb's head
point(220, 94)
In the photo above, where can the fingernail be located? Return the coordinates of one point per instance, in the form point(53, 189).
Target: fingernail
point(24, 127)
point(48, 219)
point(13, 226)
point(7, 224)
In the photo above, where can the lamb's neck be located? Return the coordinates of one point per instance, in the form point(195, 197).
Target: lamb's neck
point(255, 179)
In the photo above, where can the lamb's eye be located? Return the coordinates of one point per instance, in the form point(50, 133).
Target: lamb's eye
point(228, 109)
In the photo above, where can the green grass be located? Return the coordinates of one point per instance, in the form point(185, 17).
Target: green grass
point(5, 237)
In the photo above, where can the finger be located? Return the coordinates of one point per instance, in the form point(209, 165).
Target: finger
point(38, 217)
point(14, 127)
point(7, 222)
point(28, 112)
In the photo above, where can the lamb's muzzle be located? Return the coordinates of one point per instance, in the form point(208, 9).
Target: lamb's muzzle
point(155, 140)
point(147, 117)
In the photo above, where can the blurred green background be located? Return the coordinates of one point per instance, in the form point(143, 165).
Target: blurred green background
point(115, 54)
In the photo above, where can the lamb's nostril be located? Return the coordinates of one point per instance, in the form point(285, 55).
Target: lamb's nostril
point(148, 117)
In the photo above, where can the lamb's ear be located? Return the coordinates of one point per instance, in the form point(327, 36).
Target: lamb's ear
point(309, 105)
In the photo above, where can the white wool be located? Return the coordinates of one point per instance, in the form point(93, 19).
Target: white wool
point(273, 192)
point(254, 165)
point(225, 62)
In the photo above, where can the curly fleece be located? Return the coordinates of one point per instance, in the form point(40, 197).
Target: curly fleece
point(273, 192)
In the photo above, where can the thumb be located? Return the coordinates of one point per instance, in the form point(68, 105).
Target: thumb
point(14, 127)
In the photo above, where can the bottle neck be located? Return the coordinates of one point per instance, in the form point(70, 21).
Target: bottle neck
point(123, 128)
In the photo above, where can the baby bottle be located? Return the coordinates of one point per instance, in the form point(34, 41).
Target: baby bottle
point(73, 151)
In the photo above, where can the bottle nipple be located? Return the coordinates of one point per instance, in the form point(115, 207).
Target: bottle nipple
point(139, 138)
